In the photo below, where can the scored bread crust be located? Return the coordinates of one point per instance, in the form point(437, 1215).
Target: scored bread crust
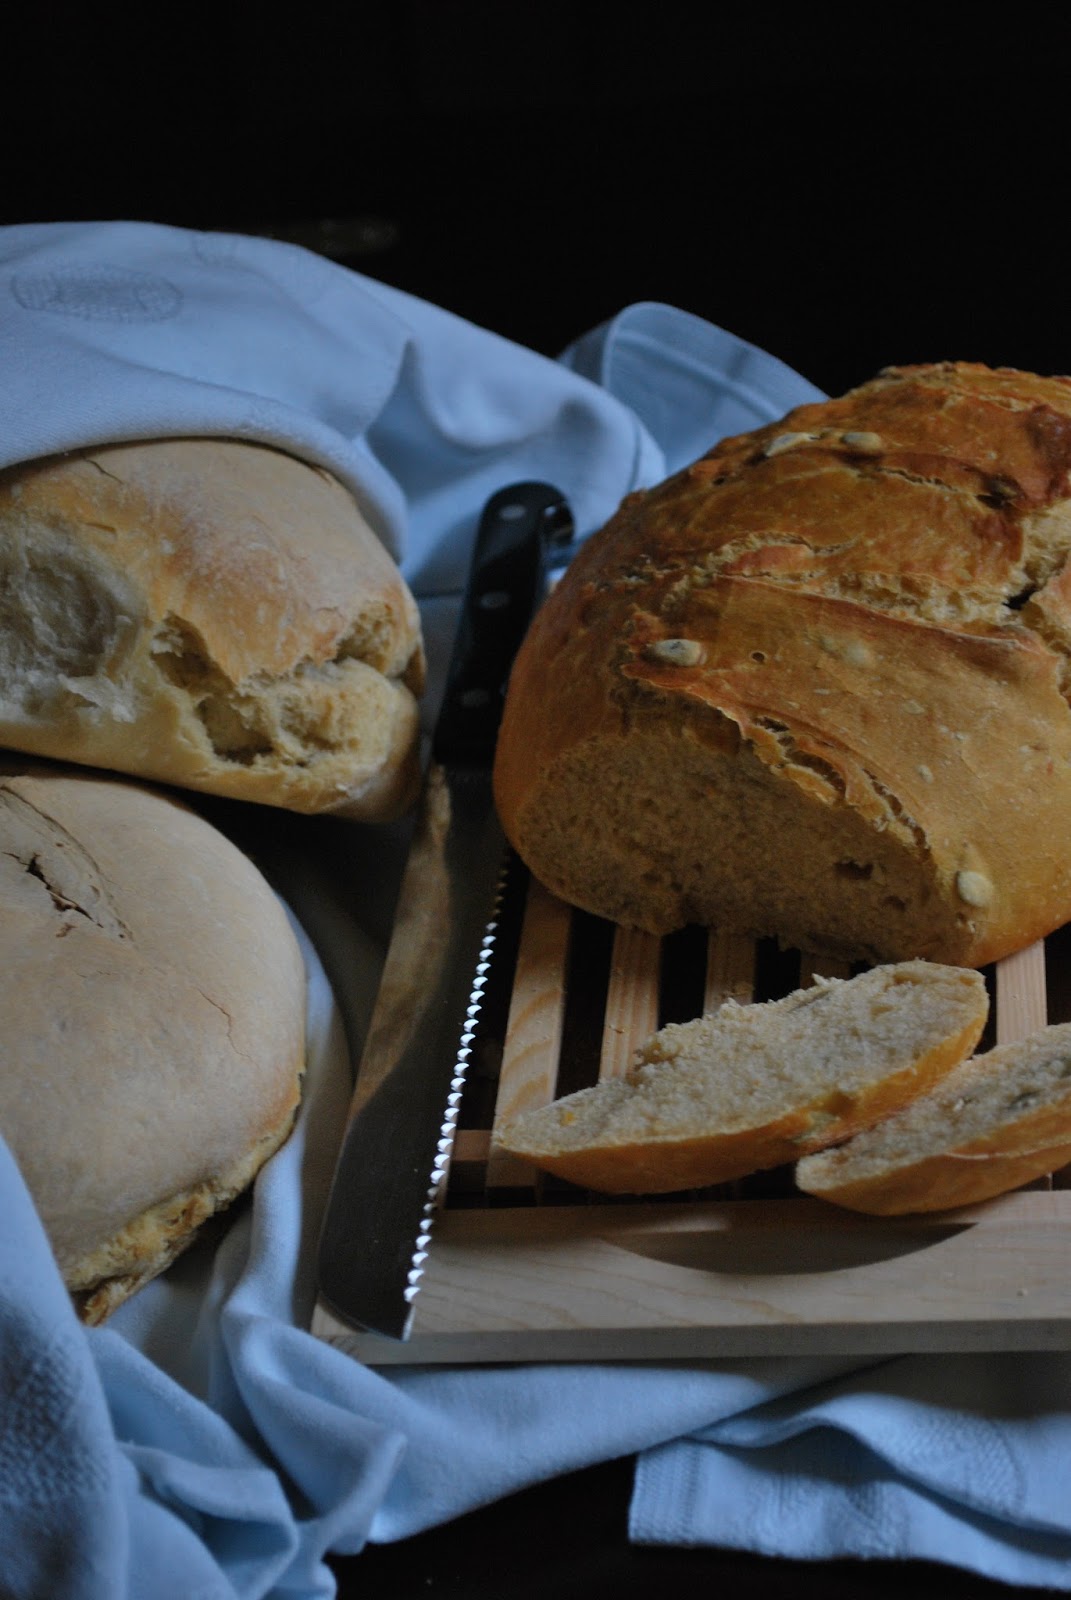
point(752, 1087)
point(212, 614)
point(153, 995)
point(995, 1123)
point(815, 685)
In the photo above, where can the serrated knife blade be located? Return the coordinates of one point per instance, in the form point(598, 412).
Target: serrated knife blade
point(400, 1130)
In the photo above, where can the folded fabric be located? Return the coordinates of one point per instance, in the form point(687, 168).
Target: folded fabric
point(203, 1444)
point(959, 1459)
point(689, 382)
point(118, 331)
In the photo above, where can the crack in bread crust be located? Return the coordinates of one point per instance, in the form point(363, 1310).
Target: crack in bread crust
point(46, 851)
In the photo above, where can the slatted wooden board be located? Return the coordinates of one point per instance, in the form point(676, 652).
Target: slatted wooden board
point(524, 1267)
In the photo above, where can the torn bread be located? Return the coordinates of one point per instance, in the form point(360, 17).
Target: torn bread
point(211, 614)
point(153, 1002)
point(752, 1086)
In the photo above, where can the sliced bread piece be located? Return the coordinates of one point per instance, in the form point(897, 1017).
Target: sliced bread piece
point(753, 1086)
point(996, 1122)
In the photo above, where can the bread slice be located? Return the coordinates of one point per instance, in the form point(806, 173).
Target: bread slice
point(996, 1122)
point(752, 1086)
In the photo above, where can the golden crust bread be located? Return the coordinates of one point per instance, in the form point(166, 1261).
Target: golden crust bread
point(153, 996)
point(816, 685)
point(751, 1087)
point(995, 1123)
point(211, 614)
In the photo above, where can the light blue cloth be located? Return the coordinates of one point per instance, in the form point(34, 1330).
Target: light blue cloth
point(126, 331)
point(202, 1444)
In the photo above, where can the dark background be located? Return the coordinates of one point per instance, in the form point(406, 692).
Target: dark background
point(843, 189)
point(846, 187)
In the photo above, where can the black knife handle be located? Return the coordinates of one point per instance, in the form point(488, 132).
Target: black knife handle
point(519, 525)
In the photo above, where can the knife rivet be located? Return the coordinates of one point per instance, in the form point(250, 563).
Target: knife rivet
point(493, 599)
point(512, 511)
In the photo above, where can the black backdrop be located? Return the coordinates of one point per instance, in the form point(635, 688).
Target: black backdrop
point(844, 189)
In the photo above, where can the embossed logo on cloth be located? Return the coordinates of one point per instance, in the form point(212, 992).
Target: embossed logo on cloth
point(99, 293)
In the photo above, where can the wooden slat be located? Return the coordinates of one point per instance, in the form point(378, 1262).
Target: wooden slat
point(1022, 1006)
point(812, 966)
point(469, 1157)
point(730, 973)
point(532, 1046)
point(631, 999)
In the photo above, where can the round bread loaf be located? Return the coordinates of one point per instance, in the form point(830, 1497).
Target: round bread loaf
point(153, 1002)
point(816, 684)
point(212, 614)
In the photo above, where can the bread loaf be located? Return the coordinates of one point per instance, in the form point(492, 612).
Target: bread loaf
point(211, 614)
point(153, 1003)
point(816, 685)
point(753, 1086)
point(995, 1123)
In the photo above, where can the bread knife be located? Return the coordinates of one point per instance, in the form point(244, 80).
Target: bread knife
point(400, 1130)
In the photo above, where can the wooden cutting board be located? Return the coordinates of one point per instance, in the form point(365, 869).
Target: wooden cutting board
point(523, 1267)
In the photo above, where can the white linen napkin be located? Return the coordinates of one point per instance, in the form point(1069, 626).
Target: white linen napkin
point(203, 1444)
